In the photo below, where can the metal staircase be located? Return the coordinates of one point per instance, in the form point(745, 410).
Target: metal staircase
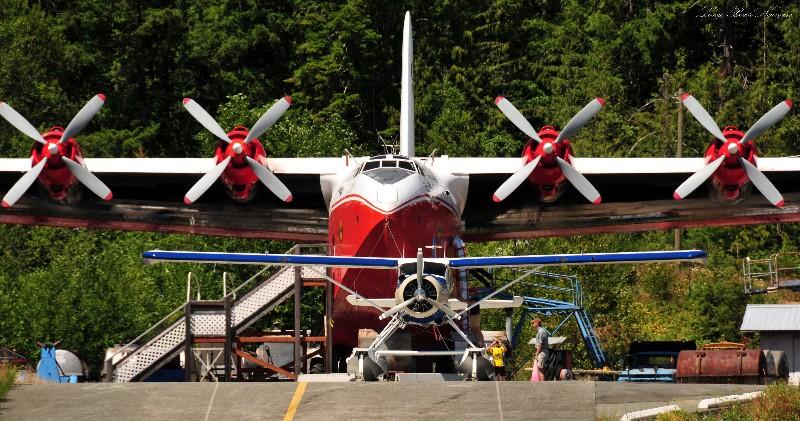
point(548, 306)
point(141, 362)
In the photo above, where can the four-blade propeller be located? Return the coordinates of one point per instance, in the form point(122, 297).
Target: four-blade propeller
point(549, 149)
point(237, 148)
point(79, 171)
point(732, 148)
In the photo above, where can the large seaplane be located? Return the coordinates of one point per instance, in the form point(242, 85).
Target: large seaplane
point(395, 251)
point(381, 210)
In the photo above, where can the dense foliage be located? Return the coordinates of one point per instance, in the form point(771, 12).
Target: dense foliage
point(340, 62)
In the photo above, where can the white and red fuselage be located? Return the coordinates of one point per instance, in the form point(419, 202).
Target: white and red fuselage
point(388, 206)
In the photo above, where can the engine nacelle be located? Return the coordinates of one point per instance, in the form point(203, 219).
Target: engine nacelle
point(435, 287)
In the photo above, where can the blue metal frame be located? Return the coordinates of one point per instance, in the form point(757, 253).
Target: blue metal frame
point(546, 306)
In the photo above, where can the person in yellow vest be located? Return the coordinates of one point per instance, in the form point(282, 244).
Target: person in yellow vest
point(497, 351)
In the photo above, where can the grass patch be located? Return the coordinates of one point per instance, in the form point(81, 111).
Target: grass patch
point(778, 403)
point(7, 377)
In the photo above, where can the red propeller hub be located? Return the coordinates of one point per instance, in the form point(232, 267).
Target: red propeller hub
point(547, 177)
point(238, 178)
point(56, 177)
point(730, 178)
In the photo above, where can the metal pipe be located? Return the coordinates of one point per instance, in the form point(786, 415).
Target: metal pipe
point(188, 286)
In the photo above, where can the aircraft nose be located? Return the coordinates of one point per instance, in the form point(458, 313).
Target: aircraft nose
point(733, 148)
point(388, 194)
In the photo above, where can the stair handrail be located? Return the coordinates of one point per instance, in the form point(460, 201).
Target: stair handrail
point(294, 250)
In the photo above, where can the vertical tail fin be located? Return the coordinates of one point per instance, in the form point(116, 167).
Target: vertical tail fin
point(407, 92)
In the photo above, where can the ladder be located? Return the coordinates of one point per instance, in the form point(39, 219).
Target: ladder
point(139, 363)
point(590, 338)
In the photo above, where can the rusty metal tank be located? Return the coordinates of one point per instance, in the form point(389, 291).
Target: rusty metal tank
point(721, 366)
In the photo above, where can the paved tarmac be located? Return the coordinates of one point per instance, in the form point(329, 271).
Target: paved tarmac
point(573, 400)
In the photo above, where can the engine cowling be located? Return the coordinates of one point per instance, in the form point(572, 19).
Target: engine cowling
point(435, 287)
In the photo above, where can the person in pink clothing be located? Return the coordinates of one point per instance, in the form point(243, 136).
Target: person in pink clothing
point(542, 350)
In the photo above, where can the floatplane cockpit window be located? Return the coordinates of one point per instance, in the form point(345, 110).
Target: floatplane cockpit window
point(381, 161)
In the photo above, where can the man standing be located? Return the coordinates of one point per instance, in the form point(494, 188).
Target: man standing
point(497, 351)
point(542, 347)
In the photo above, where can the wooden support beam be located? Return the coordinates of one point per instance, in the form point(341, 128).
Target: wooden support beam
point(298, 340)
point(265, 364)
point(209, 340)
point(278, 339)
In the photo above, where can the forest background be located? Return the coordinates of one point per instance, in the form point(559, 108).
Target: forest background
point(340, 62)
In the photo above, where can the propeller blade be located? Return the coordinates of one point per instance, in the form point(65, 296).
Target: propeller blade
point(83, 117)
point(516, 117)
point(767, 120)
point(205, 119)
point(762, 183)
point(702, 116)
point(269, 118)
point(450, 313)
point(21, 186)
point(515, 180)
point(697, 179)
point(579, 181)
point(88, 179)
point(420, 267)
point(205, 182)
point(581, 118)
point(17, 120)
point(268, 178)
point(395, 309)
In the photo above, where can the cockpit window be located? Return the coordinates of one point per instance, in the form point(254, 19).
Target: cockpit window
point(406, 165)
point(371, 165)
point(389, 164)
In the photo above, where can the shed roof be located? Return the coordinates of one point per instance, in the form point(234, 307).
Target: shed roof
point(771, 317)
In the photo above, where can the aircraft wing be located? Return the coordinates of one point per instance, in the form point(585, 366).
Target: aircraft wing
point(148, 196)
point(604, 166)
point(637, 196)
point(157, 256)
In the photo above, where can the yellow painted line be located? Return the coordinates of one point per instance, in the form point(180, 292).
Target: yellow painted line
point(298, 395)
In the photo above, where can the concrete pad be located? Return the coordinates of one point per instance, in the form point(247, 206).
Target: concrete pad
point(448, 400)
point(572, 400)
point(147, 401)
